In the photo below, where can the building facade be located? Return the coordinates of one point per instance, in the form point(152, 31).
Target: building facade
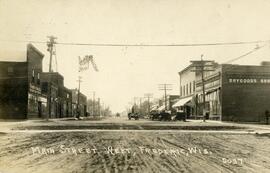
point(20, 89)
point(61, 97)
point(187, 78)
point(232, 93)
point(82, 107)
point(24, 89)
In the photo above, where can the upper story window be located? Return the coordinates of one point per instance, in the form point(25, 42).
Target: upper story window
point(190, 87)
point(33, 75)
point(194, 85)
point(10, 70)
point(38, 78)
point(184, 91)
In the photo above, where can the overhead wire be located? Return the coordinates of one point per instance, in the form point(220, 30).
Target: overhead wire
point(142, 44)
point(244, 55)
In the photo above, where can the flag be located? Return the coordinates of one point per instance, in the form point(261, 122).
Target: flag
point(83, 64)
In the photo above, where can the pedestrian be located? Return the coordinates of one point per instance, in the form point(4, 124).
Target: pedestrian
point(267, 116)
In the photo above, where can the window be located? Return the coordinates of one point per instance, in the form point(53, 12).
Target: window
point(180, 90)
point(38, 79)
point(190, 86)
point(193, 86)
point(187, 88)
point(10, 70)
point(184, 90)
point(33, 75)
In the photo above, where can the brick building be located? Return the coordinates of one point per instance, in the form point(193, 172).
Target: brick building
point(24, 89)
point(61, 97)
point(232, 92)
point(20, 90)
point(82, 105)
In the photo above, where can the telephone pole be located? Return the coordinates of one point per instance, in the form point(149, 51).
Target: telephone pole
point(94, 103)
point(203, 66)
point(99, 113)
point(51, 43)
point(165, 88)
point(148, 96)
point(78, 98)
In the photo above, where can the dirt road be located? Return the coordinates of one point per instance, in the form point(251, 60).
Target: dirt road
point(133, 152)
point(119, 145)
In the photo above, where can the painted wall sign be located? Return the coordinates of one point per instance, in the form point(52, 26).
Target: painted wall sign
point(249, 80)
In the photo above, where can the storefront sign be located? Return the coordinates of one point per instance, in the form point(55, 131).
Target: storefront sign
point(249, 80)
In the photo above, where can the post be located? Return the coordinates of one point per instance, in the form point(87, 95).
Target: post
point(50, 45)
point(99, 113)
point(78, 98)
point(165, 87)
point(200, 67)
point(165, 95)
point(148, 95)
point(148, 101)
point(94, 103)
point(203, 92)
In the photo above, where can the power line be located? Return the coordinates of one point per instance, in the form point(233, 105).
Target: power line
point(244, 55)
point(142, 44)
point(165, 87)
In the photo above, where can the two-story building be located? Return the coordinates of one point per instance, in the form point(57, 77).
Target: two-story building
point(80, 108)
point(20, 87)
point(232, 92)
point(187, 81)
point(61, 97)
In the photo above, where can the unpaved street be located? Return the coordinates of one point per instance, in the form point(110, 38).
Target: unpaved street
point(132, 151)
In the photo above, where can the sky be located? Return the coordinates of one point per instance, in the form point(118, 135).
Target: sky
point(126, 72)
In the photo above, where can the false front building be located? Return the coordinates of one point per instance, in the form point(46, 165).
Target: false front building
point(80, 108)
point(232, 92)
point(24, 88)
point(20, 91)
point(61, 97)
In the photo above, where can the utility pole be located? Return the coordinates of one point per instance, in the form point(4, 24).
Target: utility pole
point(165, 88)
point(99, 107)
point(203, 66)
point(50, 49)
point(94, 103)
point(78, 99)
point(135, 105)
point(148, 96)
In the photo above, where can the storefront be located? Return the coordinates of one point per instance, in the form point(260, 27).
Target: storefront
point(232, 93)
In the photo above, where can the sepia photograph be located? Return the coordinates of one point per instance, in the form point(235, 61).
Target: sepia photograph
point(134, 86)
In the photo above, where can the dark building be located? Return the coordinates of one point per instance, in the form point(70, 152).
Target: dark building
point(82, 103)
point(24, 89)
point(20, 90)
point(61, 97)
point(232, 93)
